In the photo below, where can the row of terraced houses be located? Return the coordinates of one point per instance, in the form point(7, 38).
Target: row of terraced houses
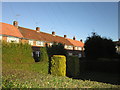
point(36, 38)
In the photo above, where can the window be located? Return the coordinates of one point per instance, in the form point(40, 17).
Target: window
point(69, 47)
point(51, 44)
point(79, 55)
point(79, 48)
point(0, 37)
point(38, 53)
point(76, 48)
point(65, 46)
point(31, 42)
point(12, 39)
point(39, 43)
point(70, 54)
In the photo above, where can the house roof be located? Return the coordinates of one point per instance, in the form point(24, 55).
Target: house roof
point(8, 29)
point(33, 34)
point(75, 42)
point(117, 42)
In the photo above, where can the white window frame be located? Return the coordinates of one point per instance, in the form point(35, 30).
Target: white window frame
point(65, 46)
point(13, 39)
point(51, 44)
point(69, 47)
point(39, 43)
point(30, 42)
point(0, 37)
point(38, 53)
point(79, 55)
point(79, 48)
point(75, 48)
point(70, 54)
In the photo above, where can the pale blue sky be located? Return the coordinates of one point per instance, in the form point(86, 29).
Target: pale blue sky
point(65, 18)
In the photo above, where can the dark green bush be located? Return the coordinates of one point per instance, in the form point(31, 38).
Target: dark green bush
point(73, 66)
point(43, 54)
point(99, 47)
point(56, 49)
point(16, 53)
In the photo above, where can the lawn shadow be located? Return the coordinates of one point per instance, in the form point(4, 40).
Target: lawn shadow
point(109, 78)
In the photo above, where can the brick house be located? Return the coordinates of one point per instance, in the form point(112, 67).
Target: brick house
point(117, 43)
point(36, 38)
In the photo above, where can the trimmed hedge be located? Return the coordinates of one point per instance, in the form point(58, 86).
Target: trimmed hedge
point(103, 66)
point(73, 66)
point(16, 53)
point(58, 67)
point(106, 65)
point(55, 49)
point(43, 54)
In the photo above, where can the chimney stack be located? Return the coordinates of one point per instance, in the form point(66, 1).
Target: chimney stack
point(81, 40)
point(15, 23)
point(38, 29)
point(65, 36)
point(74, 38)
point(53, 33)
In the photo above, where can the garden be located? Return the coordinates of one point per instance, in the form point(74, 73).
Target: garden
point(55, 69)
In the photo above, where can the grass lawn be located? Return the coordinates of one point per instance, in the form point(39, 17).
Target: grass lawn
point(33, 75)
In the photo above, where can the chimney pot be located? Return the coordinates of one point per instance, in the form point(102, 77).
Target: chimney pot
point(38, 29)
point(53, 33)
point(74, 38)
point(81, 40)
point(15, 23)
point(65, 36)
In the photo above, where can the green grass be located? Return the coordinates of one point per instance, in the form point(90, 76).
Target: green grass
point(31, 76)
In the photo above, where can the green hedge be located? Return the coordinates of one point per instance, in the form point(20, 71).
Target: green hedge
point(73, 66)
point(43, 54)
point(58, 67)
point(16, 53)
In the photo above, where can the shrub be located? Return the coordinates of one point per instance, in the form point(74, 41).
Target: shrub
point(73, 66)
point(56, 49)
point(99, 47)
point(16, 53)
point(58, 65)
point(43, 54)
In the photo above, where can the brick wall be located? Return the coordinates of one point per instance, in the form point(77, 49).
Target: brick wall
point(4, 38)
point(24, 40)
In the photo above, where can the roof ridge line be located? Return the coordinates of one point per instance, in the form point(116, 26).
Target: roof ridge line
point(40, 31)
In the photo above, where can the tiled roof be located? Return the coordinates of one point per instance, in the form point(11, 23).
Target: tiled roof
point(76, 43)
point(32, 34)
point(7, 29)
point(11, 30)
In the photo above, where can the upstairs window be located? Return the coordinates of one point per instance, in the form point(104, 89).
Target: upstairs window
point(65, 46)
point(75, 48)
point(0, 37)
point(51, 44)
point(79, 48)
point(69, 47)
point(12, 39)
point(39, 43)
point(31, 42)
